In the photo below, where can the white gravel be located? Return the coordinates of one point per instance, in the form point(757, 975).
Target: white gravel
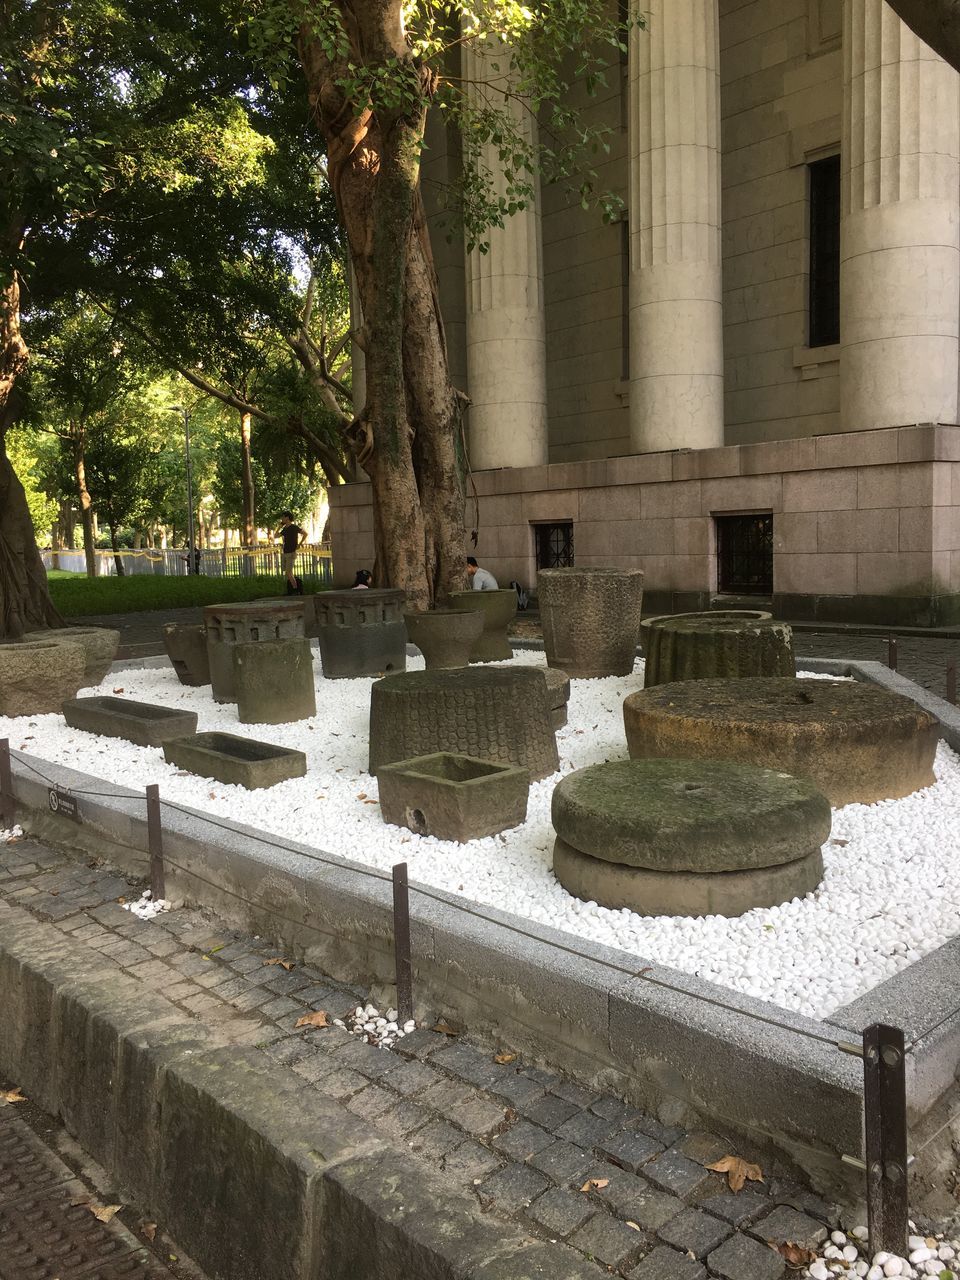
point(849, 1255)
point(891, 891)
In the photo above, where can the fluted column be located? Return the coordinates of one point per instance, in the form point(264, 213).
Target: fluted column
point(676, 324)
point(505, 330)
point(899, 241)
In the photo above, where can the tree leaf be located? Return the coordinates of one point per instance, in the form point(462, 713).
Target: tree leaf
point(317, 1019)
point(284, 964)
point(12, 1095)
point(796, 1256)
point(738, 1171)
point(102, 1212)
point(445, 1029)
point(595, 1184)
point(504, 1058)
point(149, 1229)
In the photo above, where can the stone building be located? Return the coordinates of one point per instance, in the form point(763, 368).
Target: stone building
point(749, 386)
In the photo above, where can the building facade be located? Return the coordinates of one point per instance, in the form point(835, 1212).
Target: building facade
point(748, 387)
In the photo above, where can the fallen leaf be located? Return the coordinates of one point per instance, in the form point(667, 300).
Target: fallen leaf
point(149, 1229)
point(362, 795)
point(445, 1029)
point(504, 1058)
point(121, 901)
point(371, 802)
point(120, 690)
point(595, 1184)
point(12, 1095)
point(102, 1212)
point(633, 1226)
point(737, 1171)
point(317, 1019)
point(794, 1255)
point(284, 964)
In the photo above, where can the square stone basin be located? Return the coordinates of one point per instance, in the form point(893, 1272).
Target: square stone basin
point(143, 723)
point(245, 762)
point(453, 797)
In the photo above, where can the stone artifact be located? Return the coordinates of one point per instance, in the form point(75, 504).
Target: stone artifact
point(361, 633)
point(702, 646)
point(231, 624)
point(186, 646)
point(558, 692)
point(141, 722)
point(453, 797)
point(37, 675)
point(274, 681)
point(445, 637)
point(100, 645)
point(856, 742)
point(493, 713)
point(687, 837)
point(499, 608)
point(243, 762)
point(591, 619)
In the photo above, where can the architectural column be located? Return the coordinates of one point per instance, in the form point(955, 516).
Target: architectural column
point(899, 239)
point(676, 321)
point(505, 329)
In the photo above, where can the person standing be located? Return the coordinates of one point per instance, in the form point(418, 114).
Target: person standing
point(483, 579)
point(293, 539)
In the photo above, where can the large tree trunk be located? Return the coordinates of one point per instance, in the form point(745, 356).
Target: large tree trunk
point(86, 502)
point(117, 557)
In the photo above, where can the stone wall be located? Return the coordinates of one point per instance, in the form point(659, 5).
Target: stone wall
point(866, 524)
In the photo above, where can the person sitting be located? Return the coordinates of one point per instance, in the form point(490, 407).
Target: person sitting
point(363, 580)
point(483, 579)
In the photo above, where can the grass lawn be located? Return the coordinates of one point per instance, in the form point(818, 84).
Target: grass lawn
point(75, 594)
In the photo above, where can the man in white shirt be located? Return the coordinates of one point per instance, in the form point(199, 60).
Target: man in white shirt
point(483, 579)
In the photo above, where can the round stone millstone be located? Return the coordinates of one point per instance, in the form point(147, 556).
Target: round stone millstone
point(493, 713)
point(99, 645)
point(857, 743)
point(703, 646)
point(689, 815)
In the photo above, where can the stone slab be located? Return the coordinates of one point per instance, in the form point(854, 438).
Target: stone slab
point(143, 723)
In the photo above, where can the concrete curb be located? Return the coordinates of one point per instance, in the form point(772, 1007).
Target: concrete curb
point(252, 1173)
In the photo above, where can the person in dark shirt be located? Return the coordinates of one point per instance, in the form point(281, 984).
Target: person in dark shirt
point(293, 539)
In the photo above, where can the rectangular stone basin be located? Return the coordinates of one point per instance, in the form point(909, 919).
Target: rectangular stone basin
point(241, 761)
point(141, 722)
point(453, 797)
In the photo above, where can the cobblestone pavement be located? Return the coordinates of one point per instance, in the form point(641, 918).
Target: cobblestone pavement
point(49, 1194)
point(625, 1189)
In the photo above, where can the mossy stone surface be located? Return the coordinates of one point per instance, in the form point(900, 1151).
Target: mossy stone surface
point(701, 646)
point(683, 815)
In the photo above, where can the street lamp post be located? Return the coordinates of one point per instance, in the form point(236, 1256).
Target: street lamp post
point(192, 564)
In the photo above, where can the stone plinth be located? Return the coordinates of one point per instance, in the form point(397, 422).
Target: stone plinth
point(361, 633)
point(143, 723)
point(591, 619)
point(243, 762)
point(445, 637)
point(701, 646)
point(186, 646)
point(231, 624)
point(493, 713)
point(37, 676)
point(99, 645)
point(498, 609)
point(274, 681)
point(453, 797)
point(678, 837)
point(857, 743)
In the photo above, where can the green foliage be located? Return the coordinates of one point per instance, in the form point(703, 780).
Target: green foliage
point(276, 487)
point(25, 452)
point(75, 595)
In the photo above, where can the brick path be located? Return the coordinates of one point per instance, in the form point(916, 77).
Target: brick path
point(521, 1139)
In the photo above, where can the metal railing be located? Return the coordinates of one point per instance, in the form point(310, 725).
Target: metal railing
point(215, 562)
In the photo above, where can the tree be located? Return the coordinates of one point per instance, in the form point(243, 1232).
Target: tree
point(373, 70)
point(935, 21)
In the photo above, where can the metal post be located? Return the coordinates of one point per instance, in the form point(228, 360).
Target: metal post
point(7, 805)
point(892, 653)
point(401, 943)
point(952, 682)
point(885, 1115)
point(155, 842)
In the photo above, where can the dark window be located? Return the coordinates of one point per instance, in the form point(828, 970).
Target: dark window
point(554, 545)
point(824, 301)
point(745, 555)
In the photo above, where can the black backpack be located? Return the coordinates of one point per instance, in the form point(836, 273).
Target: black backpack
point(522, 598)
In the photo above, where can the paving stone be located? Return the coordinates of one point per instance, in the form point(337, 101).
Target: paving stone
point(336, 1003)
point(289, 1050)
point(614, 1109)
point(609, 1241)
point(667, 1264)
point(246, 1000)
point(693, 1231)
point(513, 1188)
point(420, 1043)
point(328, 1039)
point(737, 1209)
point(704, 1148)
point(247, 963)
point(342, 1083)
point(469, 1162)
point(405, 1118)
point(467, 1063)
point(371, 1102)
point(281, 1007)
point(667, 1134)
point(312, 1068)
point(522, 1140)
point(445, 1094)
point(586, 1129)
point(675, 1173)
point(411, 1078)
point(559, 1212)
point(549, 1112)
point(479, 1117)
point(542, 1076)
point(435, 1139)
point(786, 1223)
point(285, 984)
point(805, 1201)
point(631, 1151)
point(633, 1198)
point(574, 1093)
point(519, 1091)
point(359, 1056)
point(741, 1258)
point(204, 1005)
point(231, 988)
point(563, 1161)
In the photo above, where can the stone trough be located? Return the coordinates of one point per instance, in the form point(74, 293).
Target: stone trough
point(244, 762)
point(453, 797)
point(144, 723)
